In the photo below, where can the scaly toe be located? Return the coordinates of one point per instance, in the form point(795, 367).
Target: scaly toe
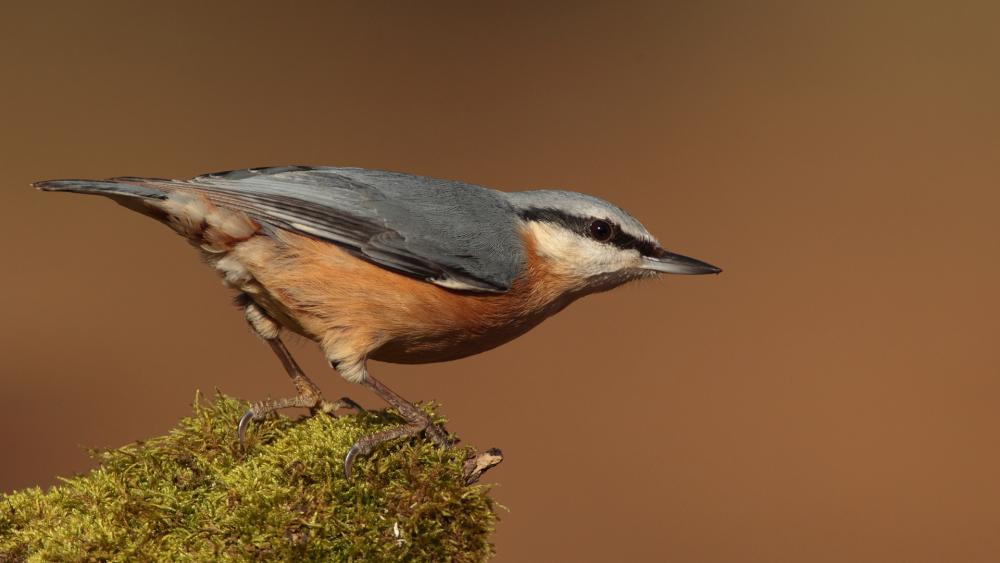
point(439, 435)
point(331, 408)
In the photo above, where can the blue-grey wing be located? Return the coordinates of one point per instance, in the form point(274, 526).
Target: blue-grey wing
point(455, 235)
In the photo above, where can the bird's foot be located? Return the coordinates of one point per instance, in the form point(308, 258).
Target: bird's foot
point(312, 401)
point(366, 445)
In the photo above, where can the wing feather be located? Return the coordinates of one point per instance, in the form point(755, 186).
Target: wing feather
point(455, 235)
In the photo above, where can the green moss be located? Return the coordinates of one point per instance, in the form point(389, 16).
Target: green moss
point(194, 494)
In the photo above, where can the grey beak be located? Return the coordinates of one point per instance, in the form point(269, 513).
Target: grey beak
point(670, 263)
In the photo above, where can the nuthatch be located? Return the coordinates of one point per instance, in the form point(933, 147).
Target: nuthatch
point(390, 266)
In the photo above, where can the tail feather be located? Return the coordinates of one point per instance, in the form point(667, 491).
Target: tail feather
point(192, 215)
point(108, 188)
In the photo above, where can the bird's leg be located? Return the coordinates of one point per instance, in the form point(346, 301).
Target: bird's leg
point(417, 421)
point(309, 395)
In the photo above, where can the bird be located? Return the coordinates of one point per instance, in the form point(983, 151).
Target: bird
point(390, 266)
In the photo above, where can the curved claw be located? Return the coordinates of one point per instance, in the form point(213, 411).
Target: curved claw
point(352, 454)
point(241, 429)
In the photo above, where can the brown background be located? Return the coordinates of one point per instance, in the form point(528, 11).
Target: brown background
point(833, 396)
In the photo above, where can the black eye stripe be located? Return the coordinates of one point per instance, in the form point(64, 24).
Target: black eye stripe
point(582, 225)
point(629, 242)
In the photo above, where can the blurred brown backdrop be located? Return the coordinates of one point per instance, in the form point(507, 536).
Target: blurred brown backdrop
point(833, 396)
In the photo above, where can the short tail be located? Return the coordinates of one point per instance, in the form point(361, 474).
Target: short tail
point(192, 215)
point(113, 188)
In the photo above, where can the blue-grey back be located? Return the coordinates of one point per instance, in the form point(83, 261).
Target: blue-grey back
point(451, 233)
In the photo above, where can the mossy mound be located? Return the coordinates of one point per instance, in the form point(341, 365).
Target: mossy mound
point(195, 494)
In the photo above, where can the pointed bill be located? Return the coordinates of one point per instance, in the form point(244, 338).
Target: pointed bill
point(670, 263)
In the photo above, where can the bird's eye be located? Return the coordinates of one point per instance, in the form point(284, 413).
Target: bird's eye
point(601, 230)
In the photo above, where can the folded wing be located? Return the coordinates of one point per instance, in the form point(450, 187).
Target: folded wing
point(459, 236)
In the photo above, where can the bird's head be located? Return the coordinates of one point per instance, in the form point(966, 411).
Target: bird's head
point(595, 244)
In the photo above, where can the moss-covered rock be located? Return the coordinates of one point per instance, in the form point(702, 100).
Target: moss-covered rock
point(195, 494)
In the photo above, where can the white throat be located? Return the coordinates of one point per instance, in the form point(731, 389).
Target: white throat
point(586, 262)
